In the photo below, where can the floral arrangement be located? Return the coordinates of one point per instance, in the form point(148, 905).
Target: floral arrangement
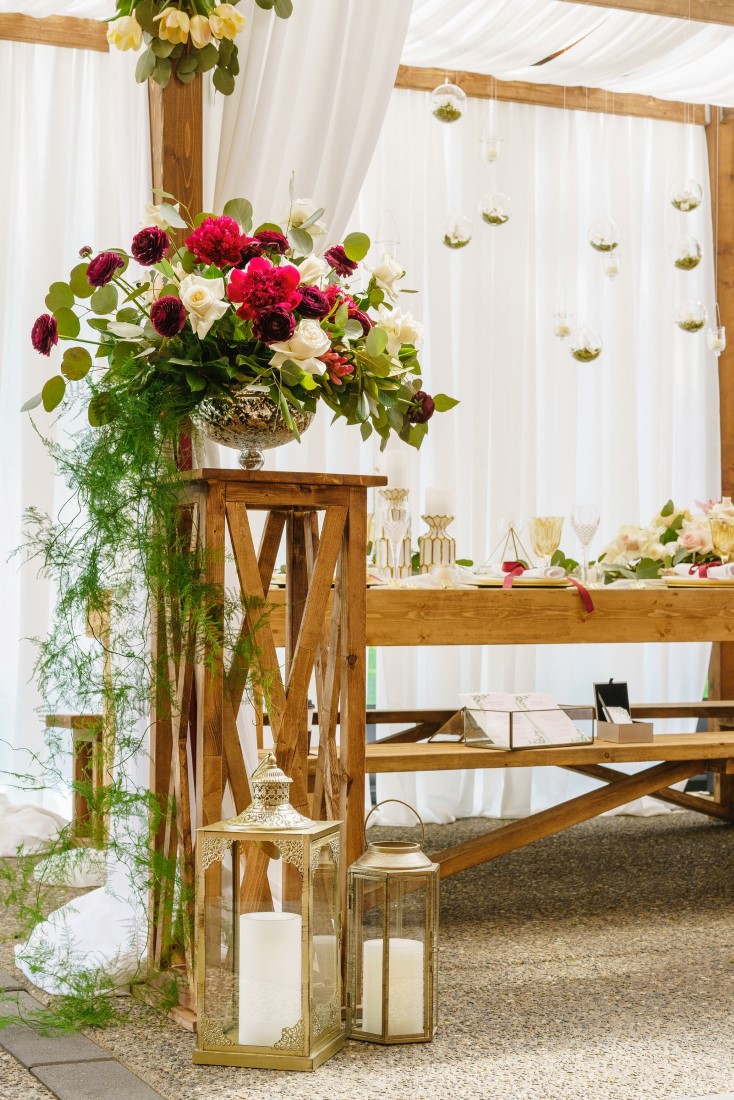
point(233, 309)
point(674, 536)
point(189, 37)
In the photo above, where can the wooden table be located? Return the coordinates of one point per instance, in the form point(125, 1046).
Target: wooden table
point(531, 616)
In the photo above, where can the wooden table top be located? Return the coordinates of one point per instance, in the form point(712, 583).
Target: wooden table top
point(526, 616)
point(445, 756)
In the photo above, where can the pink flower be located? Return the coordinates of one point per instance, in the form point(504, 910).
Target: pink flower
point(45, 333)
point(101, 270)
point(696, 537)
point(261, 286)
point(336, 296)
point(337, 367)
point(217, 241)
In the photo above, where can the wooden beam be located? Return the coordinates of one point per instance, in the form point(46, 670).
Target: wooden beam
point(695, 802)
point(720, 139)
point(176, 137)
point(579, 98)
point(55, 30)
point(698, 11)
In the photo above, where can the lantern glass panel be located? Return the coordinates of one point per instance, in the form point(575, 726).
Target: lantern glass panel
point(219, 1010)
point(325, 952)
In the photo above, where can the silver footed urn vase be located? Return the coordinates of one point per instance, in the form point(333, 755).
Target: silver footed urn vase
point(250, 422)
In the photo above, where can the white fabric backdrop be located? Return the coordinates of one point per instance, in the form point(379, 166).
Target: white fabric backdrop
point(618, 50)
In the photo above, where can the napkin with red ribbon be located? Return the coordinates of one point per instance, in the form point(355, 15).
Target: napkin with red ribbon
point(514, 569)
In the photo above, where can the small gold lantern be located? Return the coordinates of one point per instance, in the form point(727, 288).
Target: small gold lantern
point(268, 923)
point(392, 942)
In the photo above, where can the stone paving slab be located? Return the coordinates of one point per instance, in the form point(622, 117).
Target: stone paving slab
point(93, 1081)
point(31, 1048)
point(8, 982)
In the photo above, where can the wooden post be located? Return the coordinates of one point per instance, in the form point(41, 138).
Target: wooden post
point(176, 139)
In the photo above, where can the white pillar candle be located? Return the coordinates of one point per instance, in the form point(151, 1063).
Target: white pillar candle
point(439, 502)
point(269, 976)
point(405, 987)
point(395, 468)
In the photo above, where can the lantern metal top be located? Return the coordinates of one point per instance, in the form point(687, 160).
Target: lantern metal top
point(395, 855)
point(270, 807)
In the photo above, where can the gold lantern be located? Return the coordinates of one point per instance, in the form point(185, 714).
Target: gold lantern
point(268, 923)
point(392, 943)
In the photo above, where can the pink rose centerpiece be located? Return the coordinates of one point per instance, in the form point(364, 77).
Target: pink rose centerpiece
point(673, 537)
point(235, 314)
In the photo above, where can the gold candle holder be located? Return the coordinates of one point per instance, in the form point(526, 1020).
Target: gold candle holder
point(383, 560)
point(436, 547)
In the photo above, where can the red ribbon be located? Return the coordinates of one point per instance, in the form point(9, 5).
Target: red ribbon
point(703, 568)
point(516, 568)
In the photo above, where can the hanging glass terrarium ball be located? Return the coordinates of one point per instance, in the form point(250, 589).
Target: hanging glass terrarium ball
point(686, 253)
point(691, 316)
point(456, 231)
point(716, 339)
point(585, 344)
point(491, 148)
point(496, 208)
point(448, 102)
point(604, 235)
point(686, 195)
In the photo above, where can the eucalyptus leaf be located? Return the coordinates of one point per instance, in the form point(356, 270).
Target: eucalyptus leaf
point(31, 403)
point(353, 330)
point(223, 80)
point(443, 403)
point(356, 246)
point(130, 315)
point(283, 8)
point(313, 219)
point(170, 214)
point(68, 323)
point(207, 58)
point(76, 363)
point(225, 51)
point(144, 13)
point(301, 240)
point(376, 341)
point(125, 329)
point(195, 381)
point(186, 77)
point(60, 296)
point(162, 48)
point(365, 430)
point(104, 299)
point(667, 509)
point(162, 71)
point(241, 211)
point(53, 392)
point(187, 64)
point(99, 324)
point(145, 66)
point(266, 4)
point(101, 410)
point(78, 282)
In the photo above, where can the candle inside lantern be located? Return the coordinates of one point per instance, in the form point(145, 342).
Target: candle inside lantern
point(405, 987)
point(438, 502)
point(269, 976)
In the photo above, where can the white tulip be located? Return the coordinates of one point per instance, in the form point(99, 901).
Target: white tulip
point(313, 269)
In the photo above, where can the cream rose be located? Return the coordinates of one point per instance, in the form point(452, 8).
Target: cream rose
point(305, 345)
point(125, 33)
point(695, 536)
point(387, 273)
point(300, 211)
point(202, 299)
point(313, 269)
point(401, 328)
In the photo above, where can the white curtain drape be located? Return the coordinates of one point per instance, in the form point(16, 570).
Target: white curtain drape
point(551, 42)
point(75, 134)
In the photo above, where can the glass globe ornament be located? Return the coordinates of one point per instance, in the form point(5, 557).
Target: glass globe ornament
point(491, 149)
point(585, 344)
point(686, 253)
point(686, 195)
point(496, 209)
point(448, 102)
point(604, 235)
point(456, 231)
point(716, 339)
point(691, 316)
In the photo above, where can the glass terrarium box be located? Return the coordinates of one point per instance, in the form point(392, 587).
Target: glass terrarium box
point(500, 720)
point(268, 922)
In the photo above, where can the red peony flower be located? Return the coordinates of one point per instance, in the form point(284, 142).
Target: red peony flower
point(149, 245)
point(337, 367)
point(45, 333)
point(274, 324)
point(273, 241)
point(262, 285)
point(314, 303)
point(217, 241)
point(366, 322)
point(337, 258)
point(168, 316)
point(101, 270)
point(422, 409)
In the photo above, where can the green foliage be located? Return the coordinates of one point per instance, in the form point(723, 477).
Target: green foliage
point(567, 564)
point(356, 246)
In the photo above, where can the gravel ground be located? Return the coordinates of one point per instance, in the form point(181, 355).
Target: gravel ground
point(594, 965)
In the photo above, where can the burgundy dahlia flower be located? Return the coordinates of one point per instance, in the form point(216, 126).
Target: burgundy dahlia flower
point(168, 316)
point(422, 409)
point(45, 333)
point(274, 324)
point(101, 270)
point(262, 285)
point(273, 241)
point(217, 241)
point(314, 303)
point(149, 245)
point(337, 258)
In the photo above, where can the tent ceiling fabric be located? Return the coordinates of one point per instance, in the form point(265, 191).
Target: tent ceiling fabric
point(596, 47)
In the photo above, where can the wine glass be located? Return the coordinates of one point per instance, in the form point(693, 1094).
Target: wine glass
point(722, 536)
point(585, 521)
point(395, 524)
point(545, 535)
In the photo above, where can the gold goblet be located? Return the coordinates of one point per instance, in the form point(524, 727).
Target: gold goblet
point(545, 535)
point(722, 536)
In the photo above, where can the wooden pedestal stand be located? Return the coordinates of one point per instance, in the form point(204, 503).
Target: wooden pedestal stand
point(196, 750)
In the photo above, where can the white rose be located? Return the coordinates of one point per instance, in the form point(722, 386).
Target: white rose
point(153, 216)
point(387, 273)
point(300, 211)
point(202, 299)
point(313, 269)
point(401, 328)
point(305, 345)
